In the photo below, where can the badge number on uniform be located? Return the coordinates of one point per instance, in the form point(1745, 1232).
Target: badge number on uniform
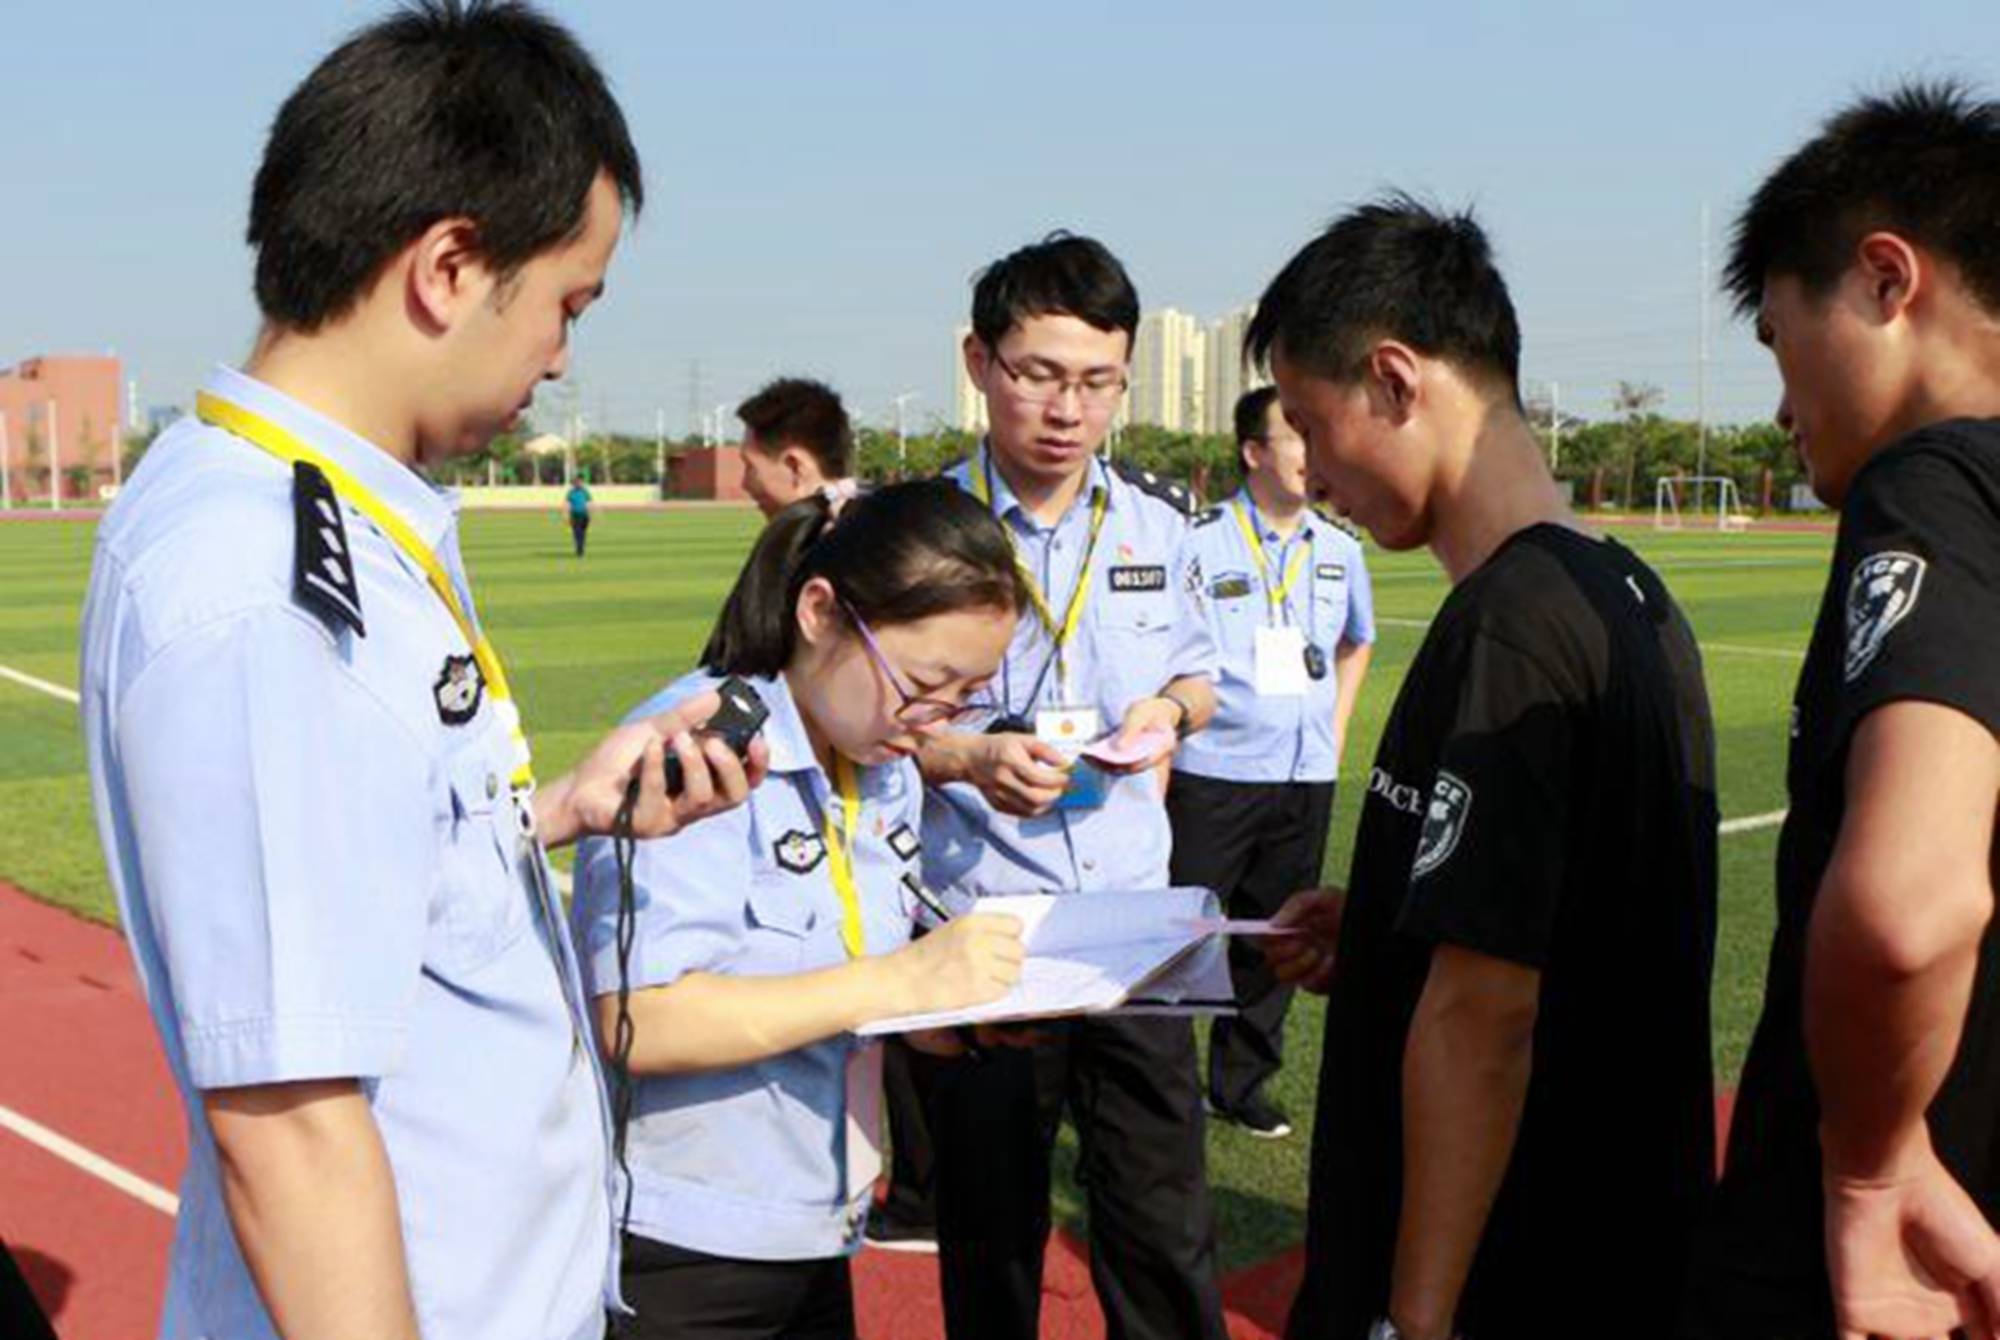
point(1444, 823)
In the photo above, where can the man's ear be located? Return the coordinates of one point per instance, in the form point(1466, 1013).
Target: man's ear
point(1895, 273)
point(1395, 374)
point(445, 273)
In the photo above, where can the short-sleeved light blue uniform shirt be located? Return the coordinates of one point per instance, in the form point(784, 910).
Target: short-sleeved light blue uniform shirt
point(1140, 630)
point(322, 875)
point(752, 1162)
point(1273, 739)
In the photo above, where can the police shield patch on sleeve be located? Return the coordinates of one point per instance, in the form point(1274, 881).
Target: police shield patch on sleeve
point(322, 568)
point(458, 690)
point(1444, 823)
point(799, 852)
point(1880, 595)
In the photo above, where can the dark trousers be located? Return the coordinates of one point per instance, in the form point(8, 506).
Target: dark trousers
point(678, 1294)
point(1256, 844)
point(1130, 1087)
point(579, 528)
point(912, 1160)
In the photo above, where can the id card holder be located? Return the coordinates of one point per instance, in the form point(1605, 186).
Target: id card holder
point(864, 1118)
point(1279, 666)
point(1070, 729)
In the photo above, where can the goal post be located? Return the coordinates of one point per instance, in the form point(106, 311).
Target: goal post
point(1698, 500)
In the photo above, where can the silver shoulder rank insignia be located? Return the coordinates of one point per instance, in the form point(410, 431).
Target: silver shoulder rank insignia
point(322, 567)
point(904, 843)
point(799, 852)
point(1880, 595)
point(459, 689)
point(1444, 824)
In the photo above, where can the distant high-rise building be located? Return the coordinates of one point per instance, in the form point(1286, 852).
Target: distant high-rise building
point(1168, 362)
point(1226, 378)
point(968, 401)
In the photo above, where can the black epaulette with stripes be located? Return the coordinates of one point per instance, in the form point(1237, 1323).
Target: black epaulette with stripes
point(1176, 495)
point(322, 566)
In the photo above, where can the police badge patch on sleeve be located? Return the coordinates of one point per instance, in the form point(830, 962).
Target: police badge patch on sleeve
point(459, 689)
point(799, 852)
point(1880, 595)
point(1444, 823)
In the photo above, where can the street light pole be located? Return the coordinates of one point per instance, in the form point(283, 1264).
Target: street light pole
point(902, 446)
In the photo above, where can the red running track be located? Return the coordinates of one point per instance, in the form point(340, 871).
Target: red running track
point(78, 1058)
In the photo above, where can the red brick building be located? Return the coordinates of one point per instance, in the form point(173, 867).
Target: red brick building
point(60, 410)
point(707, 472)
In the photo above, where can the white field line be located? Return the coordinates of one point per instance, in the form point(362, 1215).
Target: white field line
point(103, 1169)
point(1749, 822)
point(39, 685)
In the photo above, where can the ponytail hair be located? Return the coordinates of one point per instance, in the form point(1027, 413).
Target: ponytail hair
point(896, 555)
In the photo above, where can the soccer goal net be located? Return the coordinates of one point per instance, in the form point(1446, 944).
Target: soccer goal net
point(1698, 500)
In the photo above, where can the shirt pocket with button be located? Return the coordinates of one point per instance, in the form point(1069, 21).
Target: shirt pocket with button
point(784, 924)
point(1134, 632)
point(481, 903)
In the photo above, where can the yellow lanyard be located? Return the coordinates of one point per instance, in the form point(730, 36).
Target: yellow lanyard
point(1273, 596)
point(1059, 634)
point(261, 432)
point(840, 852)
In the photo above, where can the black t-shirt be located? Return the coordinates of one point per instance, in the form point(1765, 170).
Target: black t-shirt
point(1544, 793)
point(1911, 611)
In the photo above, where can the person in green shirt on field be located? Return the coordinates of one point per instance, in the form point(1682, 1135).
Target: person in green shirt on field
point(578, 499)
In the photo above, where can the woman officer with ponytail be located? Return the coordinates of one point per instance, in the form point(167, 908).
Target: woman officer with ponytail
point(763, 937)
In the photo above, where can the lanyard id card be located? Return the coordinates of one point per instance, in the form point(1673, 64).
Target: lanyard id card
point(1070, 729)
point(1280, 667)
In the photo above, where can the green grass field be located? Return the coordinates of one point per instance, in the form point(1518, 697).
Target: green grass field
point(585, 641)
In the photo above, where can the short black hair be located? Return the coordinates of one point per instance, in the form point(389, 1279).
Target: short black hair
point(798, 412)
point(1922, 161)
point(1394, 268)
point(1061, 275)
point(446, 108)
point(1253, 413)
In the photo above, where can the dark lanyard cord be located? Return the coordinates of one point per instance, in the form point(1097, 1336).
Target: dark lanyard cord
point(625, 850)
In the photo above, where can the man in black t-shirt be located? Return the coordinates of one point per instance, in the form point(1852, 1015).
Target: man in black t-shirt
point(1863, 1172)
point(1515, 1129)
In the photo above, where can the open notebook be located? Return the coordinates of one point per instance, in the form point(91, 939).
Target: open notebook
point(1144, 951)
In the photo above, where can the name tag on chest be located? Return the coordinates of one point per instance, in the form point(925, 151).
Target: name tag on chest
point(1279, 663)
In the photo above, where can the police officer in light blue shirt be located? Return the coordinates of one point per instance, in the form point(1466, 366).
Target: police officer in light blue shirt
point(309, 771)
point(757, 942)
point(1286, 593)
point(1115, 650)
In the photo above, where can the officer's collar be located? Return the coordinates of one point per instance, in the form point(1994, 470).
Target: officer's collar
point(1005, 500)
point(427, 508)
point(790, 747)
point(1249, 505)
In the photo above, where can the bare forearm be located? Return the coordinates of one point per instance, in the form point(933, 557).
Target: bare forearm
point(312, 1199)
point(1465, 1080)
point(1882, 1027)
point(709, 1021)
point(944, 759)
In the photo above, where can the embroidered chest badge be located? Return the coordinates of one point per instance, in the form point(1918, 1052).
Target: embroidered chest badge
point(799, 852)
point(459, 690)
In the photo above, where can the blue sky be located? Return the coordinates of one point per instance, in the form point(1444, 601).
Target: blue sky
point(823, 179)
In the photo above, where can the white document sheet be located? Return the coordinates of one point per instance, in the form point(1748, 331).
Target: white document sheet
point(1139, 951)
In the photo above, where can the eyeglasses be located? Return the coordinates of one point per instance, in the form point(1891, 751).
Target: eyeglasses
point(915, 710)
point(1044, 386)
